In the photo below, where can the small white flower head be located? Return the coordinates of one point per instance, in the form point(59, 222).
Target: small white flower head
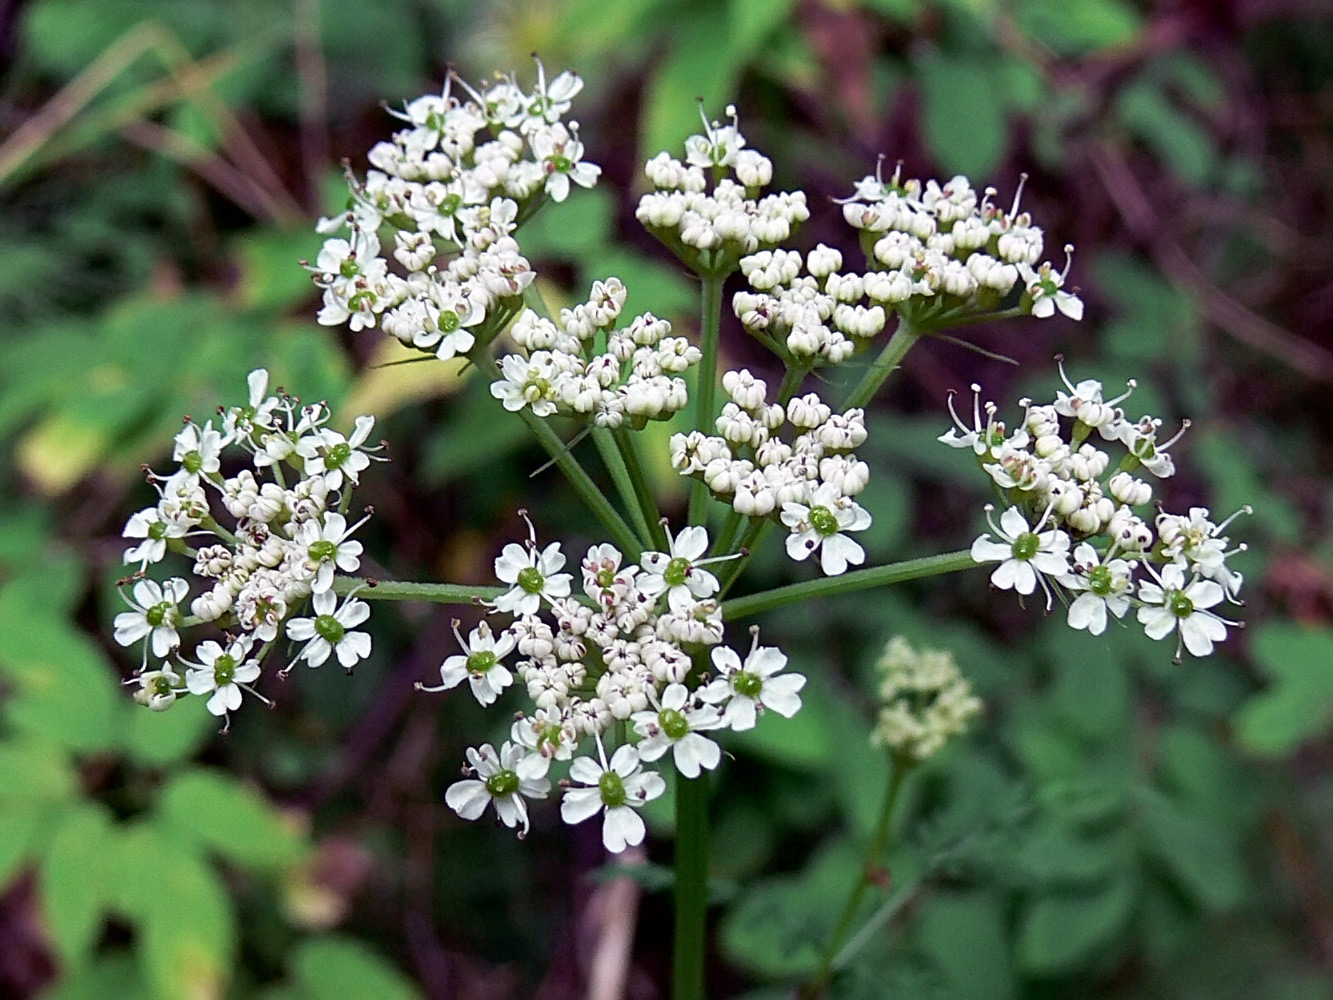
point(985, 439)
point(158, 689)
point(561, 156)
point(480, 663)
point(719, 145)
point(676, 725)
point(821, 525)
point(748, 688)
point(1105, 585)
point(507, 779)
point(329, 454)
point(678, 573)
point(1026, 553)
point(329, 547)
point(155, 615)
point(1141, 440)
point(547, 732)
point(616, 789)
point(1084, 401)
point(531, 574)
point(198, 449)
point(926, 700)
point(1045, 288)
point(223, 673)
point(330, 631)
point(155, 530)
point(1170, 603)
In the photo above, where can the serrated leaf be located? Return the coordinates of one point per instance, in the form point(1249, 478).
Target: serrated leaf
point(33, 771)
point(338, 968)
point(229, 818)
point(964, 935)
point(72, 888)
point(187, 928)
point(1298, 704)
point(964, 121)
point(156, 739)
point(1060, 931)
point(1202, 853)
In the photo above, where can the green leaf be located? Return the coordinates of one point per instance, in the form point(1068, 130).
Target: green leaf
point(73, 890)
point(20, 826)
point(156, 739)
point(112, 977)
point(804, 741)
point(752, 22)
point(1092, 692)
point(1073, 27)
point(1298, 704)
point(964, 121)
point(1177, 139)
point(229, 818)
point(1060, 931)
point(32, 771)
point(338, 968)
point(964, 935)
point(1201, 852)
point(1056, 855)
point(703, 65)
point(271, 278)
point(581, 224)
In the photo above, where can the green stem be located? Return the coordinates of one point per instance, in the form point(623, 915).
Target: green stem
point(904, 336)
point(754, 533)
point(861, 579)
point(643, 493)
point(879, 840)
point(398, 590)
point(691, 891)
point(710, 323)
point(614, 460)
point(791, 382)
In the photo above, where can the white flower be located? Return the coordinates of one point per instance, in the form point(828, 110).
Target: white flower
point(223, 672)
point(750, 687)
point(330, 631)
point(1026, 555)
point(507, 780)
point(155, 614)
point(527, 382)
point(328, 453)
point(1046, 289)
point(198, 450)
point(154, 529)
point(1170, 604)
point(678, 572)
point(479, 663)
point(618, 789)
point(984, 439)
point(1106, 585)
point(327, 547)
point(820, 525)
point(675, 726)
point(532, 575)
point(561, 156)
point(158, 689)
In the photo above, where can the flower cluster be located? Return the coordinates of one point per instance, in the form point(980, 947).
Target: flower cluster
point(635, 378)
point(927, 701)
point(807, 483)
point(1077, 524)
point(457, 181)
point(708, 209)
point(818, 317)
point(621, 656)
point(290, 536)
point(947, 251)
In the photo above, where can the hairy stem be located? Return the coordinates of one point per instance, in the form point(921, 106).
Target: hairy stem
point(848, 583)
point(878, 842)
point(396, 590)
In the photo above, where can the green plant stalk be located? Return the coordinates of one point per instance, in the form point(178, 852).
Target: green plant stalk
point(398, 590)
point(904, 336)
point(614, 459)
point(691, 890)
point(848, 583)
point(879, 841)
point(746, 544)
point(710, 323)
point(643, 494)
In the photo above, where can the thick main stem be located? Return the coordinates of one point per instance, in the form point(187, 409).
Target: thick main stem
point(861, 579)
point(687, 981)
point(879, 840)
point(904, 336)
point(710, 323)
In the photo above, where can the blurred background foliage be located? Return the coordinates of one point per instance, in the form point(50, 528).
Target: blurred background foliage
point(1117, 827)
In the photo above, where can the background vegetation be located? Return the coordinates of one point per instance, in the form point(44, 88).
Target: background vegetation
point(1118, 827)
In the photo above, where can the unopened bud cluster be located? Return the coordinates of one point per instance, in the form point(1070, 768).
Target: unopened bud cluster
point(945, 251)
point(1063, 494)
point(289, 538)
point(636, 377)
point(926, 701)
point(709, 210)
